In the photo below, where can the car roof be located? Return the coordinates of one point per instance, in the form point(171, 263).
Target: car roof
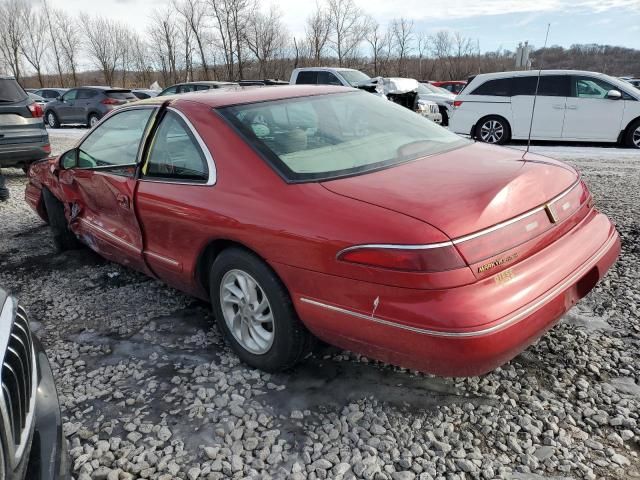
point(331, 69)
point(238, 95)
point(206, 82)
point(522, 73)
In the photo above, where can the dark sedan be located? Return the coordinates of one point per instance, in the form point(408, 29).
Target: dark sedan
point(85, 105)
point(32, 444)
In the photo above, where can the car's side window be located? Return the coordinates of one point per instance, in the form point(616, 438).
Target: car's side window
point(70, 95)
point(116, 141)
point(589, 87)
point(554, 86)
point(524, 85)
point(307, 78)
point(85, 94)
point(328, 78)
point(203, 87)
point(500, 87)
point(175, 154)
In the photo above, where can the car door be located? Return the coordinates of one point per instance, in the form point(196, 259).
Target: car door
point(102, 184)
point(65, 108)
point(85, 98)
point(591, 115)
point(549, 113)
point(170, 202)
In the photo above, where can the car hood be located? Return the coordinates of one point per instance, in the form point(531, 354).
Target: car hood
point(463, 190)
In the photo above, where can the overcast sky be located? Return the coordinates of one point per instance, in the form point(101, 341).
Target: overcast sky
point(494, 23)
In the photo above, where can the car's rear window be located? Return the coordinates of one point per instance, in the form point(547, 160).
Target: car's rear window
point(11, 91)
point(329, 136)
point(121, 94)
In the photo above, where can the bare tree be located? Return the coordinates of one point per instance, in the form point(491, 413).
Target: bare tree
point(348, 28)
point(193, 12)
point(52, 30)
point(12, 34)
point(317, 30)
point(422, 44)
point(69, 43)
point(105, 39)
point(140, 60)
point(402, 35)
point(163, 32)
point(266, 38)
point(378, 42)
point(34, 46)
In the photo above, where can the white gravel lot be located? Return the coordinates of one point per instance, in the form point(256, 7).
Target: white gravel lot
point(149, 390)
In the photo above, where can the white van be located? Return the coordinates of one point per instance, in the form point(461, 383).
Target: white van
point(571, 106)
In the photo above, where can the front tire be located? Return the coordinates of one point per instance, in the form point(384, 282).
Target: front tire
point(63, 237)
point(632, 138)
point(254, 312)
point(494, 130)
point(52, 119)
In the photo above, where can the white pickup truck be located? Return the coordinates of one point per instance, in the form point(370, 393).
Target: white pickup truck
point(403, 91)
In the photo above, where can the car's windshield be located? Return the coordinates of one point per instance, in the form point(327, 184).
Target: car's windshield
point(354, 77)
point(329, 136)
point(11, 91)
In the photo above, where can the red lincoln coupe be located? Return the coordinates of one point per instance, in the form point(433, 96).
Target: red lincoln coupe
point(327, 211)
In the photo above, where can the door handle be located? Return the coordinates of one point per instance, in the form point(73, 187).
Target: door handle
point(572, 107)
point(559, 107)
point(123, 201)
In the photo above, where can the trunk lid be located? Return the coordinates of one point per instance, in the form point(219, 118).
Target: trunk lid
point(497, 208)
point(463, 191)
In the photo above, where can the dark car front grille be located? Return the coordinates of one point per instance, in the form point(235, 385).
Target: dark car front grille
point(17, 378)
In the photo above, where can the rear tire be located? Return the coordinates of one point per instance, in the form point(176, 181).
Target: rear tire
point(63, 238)
point(4, 191)
point(632, 137)
point(52, 119)
point(493, 129)
point(92, 120)
point(254, 312)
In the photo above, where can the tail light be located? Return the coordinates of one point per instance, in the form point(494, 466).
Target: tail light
point(36, 110)
point(46, 148)
point(418, 258)
point(457, 103)
point(112, 101)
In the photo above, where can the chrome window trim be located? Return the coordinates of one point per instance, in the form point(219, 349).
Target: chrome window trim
point(13, 454)
point(211, 180)
point(465, 238)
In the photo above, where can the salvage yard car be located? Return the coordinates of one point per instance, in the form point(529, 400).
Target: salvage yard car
point(32, 444)
point(571, 106)
point(327, 211)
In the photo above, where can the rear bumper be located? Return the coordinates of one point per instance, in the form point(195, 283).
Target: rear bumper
point(17, 154)
point(462, 331)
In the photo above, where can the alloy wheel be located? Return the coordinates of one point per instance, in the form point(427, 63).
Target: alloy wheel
point(247, 312)
point(636, 137)
point(491, 131)
point(51, 119)
point(93, 120)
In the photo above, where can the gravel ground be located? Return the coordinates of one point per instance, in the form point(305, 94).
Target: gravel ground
point(149, 390)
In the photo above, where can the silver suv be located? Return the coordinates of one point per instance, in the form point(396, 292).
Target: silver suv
point(23, 136)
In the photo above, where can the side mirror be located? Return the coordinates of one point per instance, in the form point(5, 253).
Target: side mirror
point(69, 159)
point(614, 95)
